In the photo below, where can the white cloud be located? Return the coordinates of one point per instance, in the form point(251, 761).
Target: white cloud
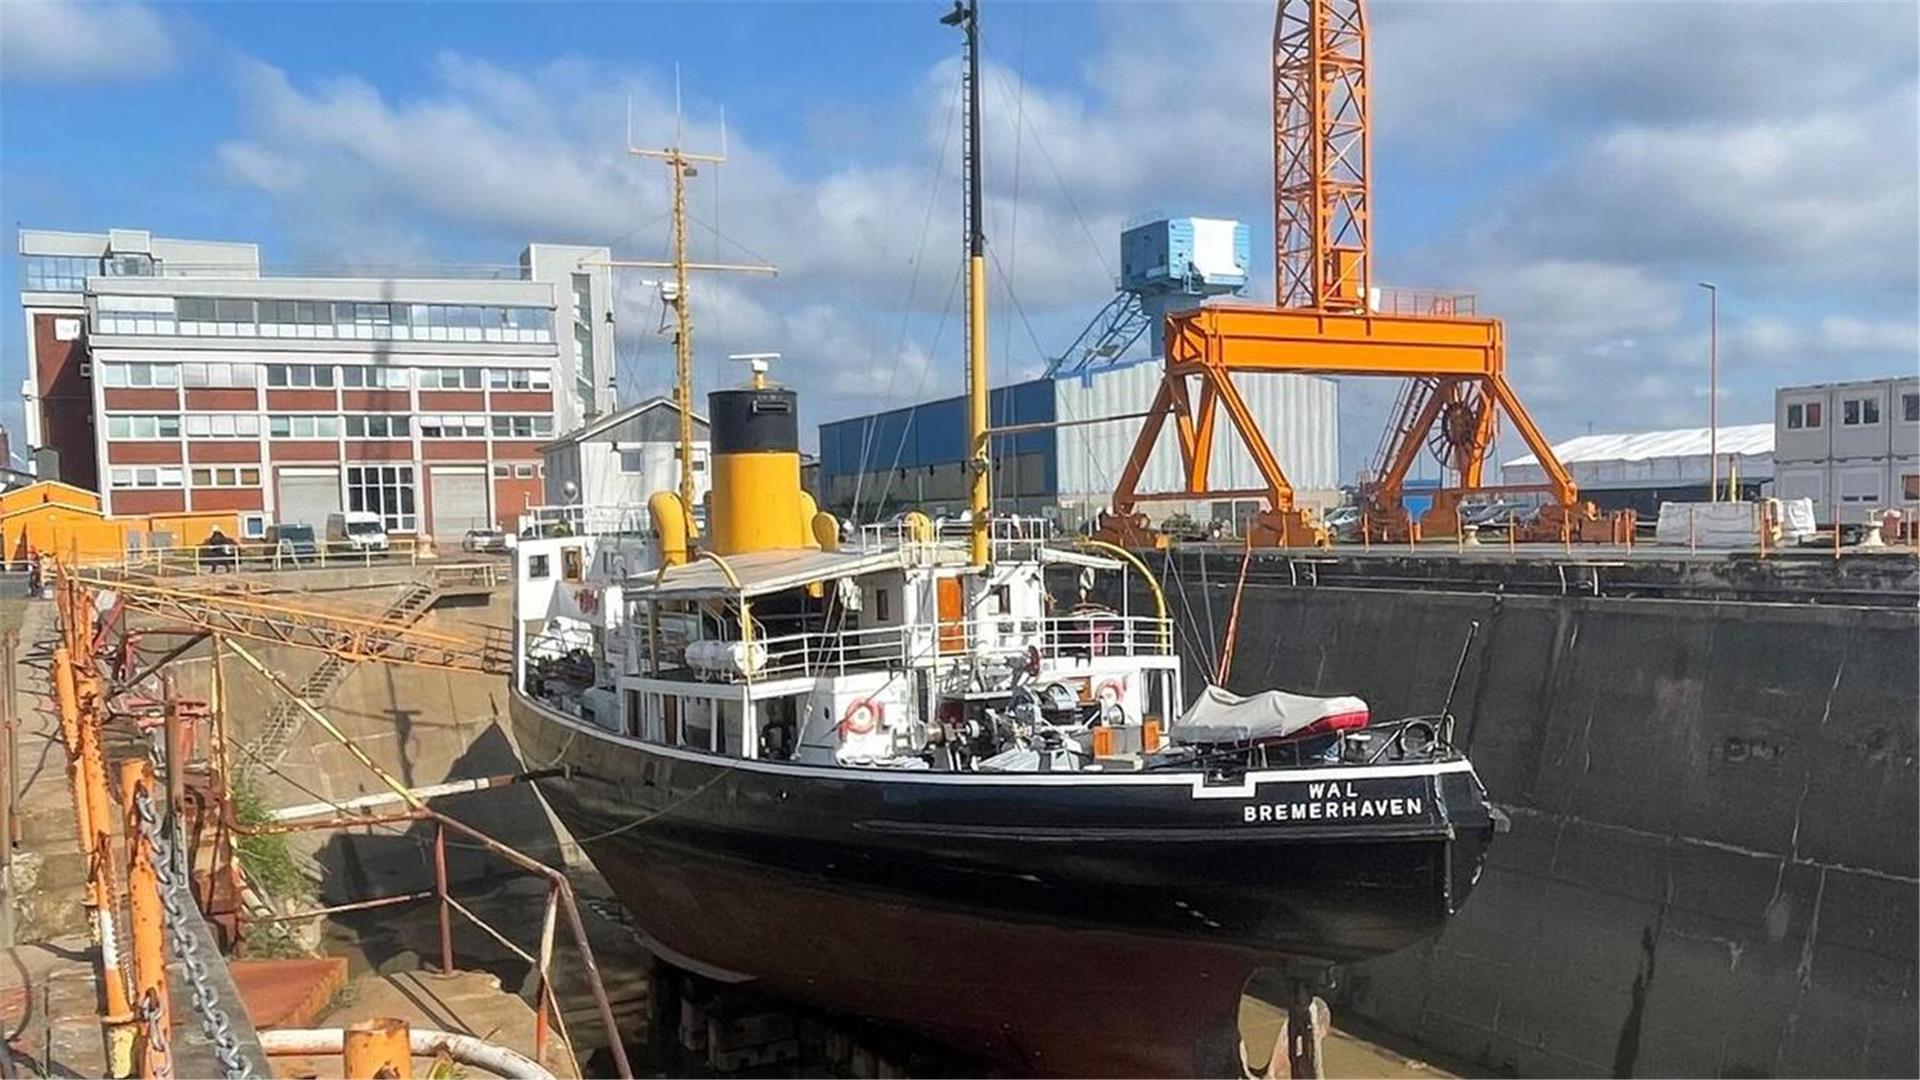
point(45, 41)
point(1594, 161)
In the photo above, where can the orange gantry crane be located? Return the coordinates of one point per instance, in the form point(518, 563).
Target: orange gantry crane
point(1332, 320)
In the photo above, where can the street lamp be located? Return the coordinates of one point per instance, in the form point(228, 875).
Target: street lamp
point(1713, 389)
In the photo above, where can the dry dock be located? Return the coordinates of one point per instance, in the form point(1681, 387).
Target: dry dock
point(1709, 761)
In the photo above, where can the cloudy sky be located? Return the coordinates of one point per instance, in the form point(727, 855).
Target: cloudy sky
point(1577, 166)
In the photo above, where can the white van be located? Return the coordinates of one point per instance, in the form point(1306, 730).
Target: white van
point(357, 531)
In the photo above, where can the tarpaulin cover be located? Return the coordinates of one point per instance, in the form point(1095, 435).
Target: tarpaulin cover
point(1219, 717)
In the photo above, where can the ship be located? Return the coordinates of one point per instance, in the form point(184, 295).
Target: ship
point(946, 775)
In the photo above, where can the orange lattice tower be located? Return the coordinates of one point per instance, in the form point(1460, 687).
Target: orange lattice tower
point(1322, 147)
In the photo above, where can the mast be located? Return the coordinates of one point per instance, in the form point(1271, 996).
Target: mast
point(966, 15)
point(682, 164)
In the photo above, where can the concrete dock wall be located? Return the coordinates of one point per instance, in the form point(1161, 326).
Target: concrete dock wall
point(1712, 868)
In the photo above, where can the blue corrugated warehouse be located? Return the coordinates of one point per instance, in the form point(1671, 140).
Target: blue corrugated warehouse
point(872, 466)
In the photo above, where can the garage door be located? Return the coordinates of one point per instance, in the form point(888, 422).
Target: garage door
point(459, 502)
point(308, 496)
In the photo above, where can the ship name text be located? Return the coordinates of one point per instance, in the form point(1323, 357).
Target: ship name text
point(1332, 802)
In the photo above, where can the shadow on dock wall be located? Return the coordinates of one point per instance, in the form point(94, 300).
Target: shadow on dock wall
point(1712, 869)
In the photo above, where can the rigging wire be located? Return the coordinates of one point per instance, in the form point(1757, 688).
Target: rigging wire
point(925, 372)
point(906, 310)
point(1066, 192)
point(1170, 572)
point(1013, 255)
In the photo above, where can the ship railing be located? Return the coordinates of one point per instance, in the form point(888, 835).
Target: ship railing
point(1104, 634)
point(1009, 536)
point(575, 519)
point(1075, 637)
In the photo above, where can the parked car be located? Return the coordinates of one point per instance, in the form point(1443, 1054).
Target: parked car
point(357, 531)
point(295, 542)
point(489, 541)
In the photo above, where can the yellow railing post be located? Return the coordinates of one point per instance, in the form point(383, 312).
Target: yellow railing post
point(154, 1030)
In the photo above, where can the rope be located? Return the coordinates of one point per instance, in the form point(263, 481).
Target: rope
point(1233, 617)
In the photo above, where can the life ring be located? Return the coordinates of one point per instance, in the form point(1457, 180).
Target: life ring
point(862, 717)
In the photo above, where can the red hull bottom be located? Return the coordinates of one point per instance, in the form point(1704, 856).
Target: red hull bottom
point(1034, 998)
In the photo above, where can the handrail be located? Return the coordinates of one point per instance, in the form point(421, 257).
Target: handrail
point(560, 895)
point(812, 652)
point(1153, 583)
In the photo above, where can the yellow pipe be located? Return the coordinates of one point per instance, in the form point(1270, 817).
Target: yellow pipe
point(1159, 598)
point(670, 521)
point(977, 497)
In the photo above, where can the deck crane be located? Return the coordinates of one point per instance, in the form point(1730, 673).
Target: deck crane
point(1331, 319)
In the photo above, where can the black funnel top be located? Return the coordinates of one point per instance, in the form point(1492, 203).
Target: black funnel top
point(755, 421)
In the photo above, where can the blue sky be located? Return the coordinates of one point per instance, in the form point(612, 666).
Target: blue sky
point(1578, 166)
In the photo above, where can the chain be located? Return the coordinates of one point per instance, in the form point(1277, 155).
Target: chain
point(214, 1020)
point(161, 1053)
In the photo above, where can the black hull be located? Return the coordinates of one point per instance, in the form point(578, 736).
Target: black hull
point(1054, 925)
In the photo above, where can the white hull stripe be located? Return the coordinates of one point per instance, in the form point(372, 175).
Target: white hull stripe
point(1195, 781)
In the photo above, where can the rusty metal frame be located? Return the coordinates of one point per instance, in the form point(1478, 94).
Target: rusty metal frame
point(350, 635)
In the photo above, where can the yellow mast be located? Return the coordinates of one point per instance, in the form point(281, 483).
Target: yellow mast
point(966, 15)
point(681, 163)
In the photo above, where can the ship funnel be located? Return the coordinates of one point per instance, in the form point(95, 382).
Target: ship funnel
point(757, 503)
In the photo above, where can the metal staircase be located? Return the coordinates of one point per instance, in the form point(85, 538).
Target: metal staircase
point(285, 721)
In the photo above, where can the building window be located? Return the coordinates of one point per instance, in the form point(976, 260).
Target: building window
point(133, 265)
point(296, 319)
point(453, 427)
point(523, 472)
point(1803, 416)
point(1910, 408)
point(1910, 487)
point(165, 426)
point(520, 379)
point(223, 425)
point(381, 426)
point(503, 472)
point(376, 378)
point(583, 299)
point(147, 476)
point(632, 462)
point(537, 568)
point(303, 427)
point(583, 357)
point(142, 376)
point(452, 378)
point(386, 490)
point(522, 427)
point(300, 376)
point(882, 600)
point(1859, 412)
point(219, 376)
point(226, 476)
point(134, 315)
point(57, 273)
point(253, 526)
